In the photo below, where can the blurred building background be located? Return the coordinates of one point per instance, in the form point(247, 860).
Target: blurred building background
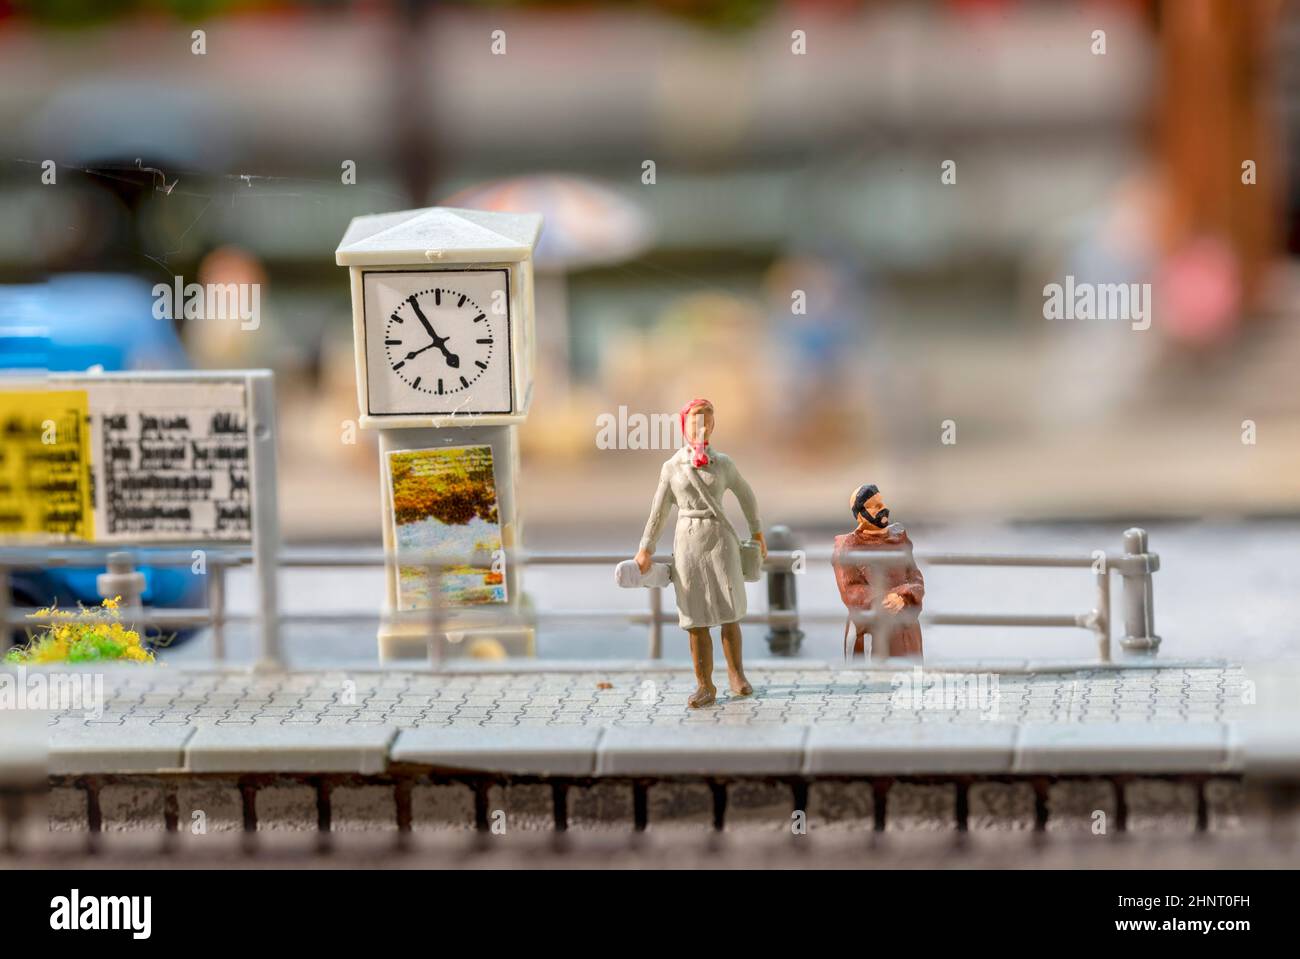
point(855, 208)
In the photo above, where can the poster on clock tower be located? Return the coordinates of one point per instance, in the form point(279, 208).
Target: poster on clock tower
point(444, 502)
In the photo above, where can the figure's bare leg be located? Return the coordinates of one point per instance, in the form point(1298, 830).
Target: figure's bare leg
point(702, 658)
point(859, 646)
point(735, 668)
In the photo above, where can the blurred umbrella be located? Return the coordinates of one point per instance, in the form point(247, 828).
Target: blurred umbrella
point(584, 224)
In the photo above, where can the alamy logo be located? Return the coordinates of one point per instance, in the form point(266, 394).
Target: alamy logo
point(638, 431)
point(56, 692)
point(209, 301)
point(919, 690)
point(102, 913)
point(1130, 302)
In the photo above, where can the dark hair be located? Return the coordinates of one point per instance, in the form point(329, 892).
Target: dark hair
point(864, 493)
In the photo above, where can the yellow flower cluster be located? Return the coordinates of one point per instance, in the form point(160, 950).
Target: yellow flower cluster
point(88, 635)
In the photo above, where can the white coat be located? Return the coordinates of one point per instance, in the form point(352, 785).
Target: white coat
point(706, 574)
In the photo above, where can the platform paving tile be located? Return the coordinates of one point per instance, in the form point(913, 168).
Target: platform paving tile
point(841, 712)
point(1149, 747)
point(96, 748)
point(986, 748)
point(699, 750)
point(285, 748)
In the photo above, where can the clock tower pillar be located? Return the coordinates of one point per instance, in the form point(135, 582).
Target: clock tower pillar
point(443, 326)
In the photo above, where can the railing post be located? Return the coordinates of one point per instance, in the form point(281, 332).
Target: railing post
point(881, 626)
point(122, 579)
point(436, 639)
point(217, 610)
point(1102, 621)
point(263, 502)
point(656, 622)
point(783, 639)
point(1139, 614)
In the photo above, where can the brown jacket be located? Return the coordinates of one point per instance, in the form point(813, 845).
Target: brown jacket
point(859, 585)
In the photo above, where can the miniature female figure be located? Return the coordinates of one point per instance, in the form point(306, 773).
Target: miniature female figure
point(706, 569)
point(899, 584)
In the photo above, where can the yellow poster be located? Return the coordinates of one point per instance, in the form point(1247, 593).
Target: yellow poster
point(45, 486)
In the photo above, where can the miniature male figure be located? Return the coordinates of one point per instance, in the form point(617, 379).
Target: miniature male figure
point(901, 583)
point(706, 569)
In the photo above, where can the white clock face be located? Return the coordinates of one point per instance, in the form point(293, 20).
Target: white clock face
point(437, 342)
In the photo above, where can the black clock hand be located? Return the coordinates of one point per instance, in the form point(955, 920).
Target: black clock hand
point(439, 341)
point(452, 359)
point(424, 320)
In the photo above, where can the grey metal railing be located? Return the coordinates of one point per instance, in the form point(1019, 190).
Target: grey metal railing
point(262, 551)
point(1134, 566)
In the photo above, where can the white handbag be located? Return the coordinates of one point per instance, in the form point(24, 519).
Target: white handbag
point(751, 560)
point(629, 576)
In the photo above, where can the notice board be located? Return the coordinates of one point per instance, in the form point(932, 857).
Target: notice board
point(110, 458)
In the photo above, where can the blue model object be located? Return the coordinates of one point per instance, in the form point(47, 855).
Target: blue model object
point(65, 587)
point(71, 323)
point(79, 320)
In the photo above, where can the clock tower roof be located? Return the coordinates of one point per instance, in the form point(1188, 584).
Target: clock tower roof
point(435, 235)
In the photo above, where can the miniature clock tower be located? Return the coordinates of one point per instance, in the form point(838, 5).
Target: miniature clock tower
point(442, 319)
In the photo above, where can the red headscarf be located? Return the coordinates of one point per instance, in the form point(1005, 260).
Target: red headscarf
point(701, 450)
